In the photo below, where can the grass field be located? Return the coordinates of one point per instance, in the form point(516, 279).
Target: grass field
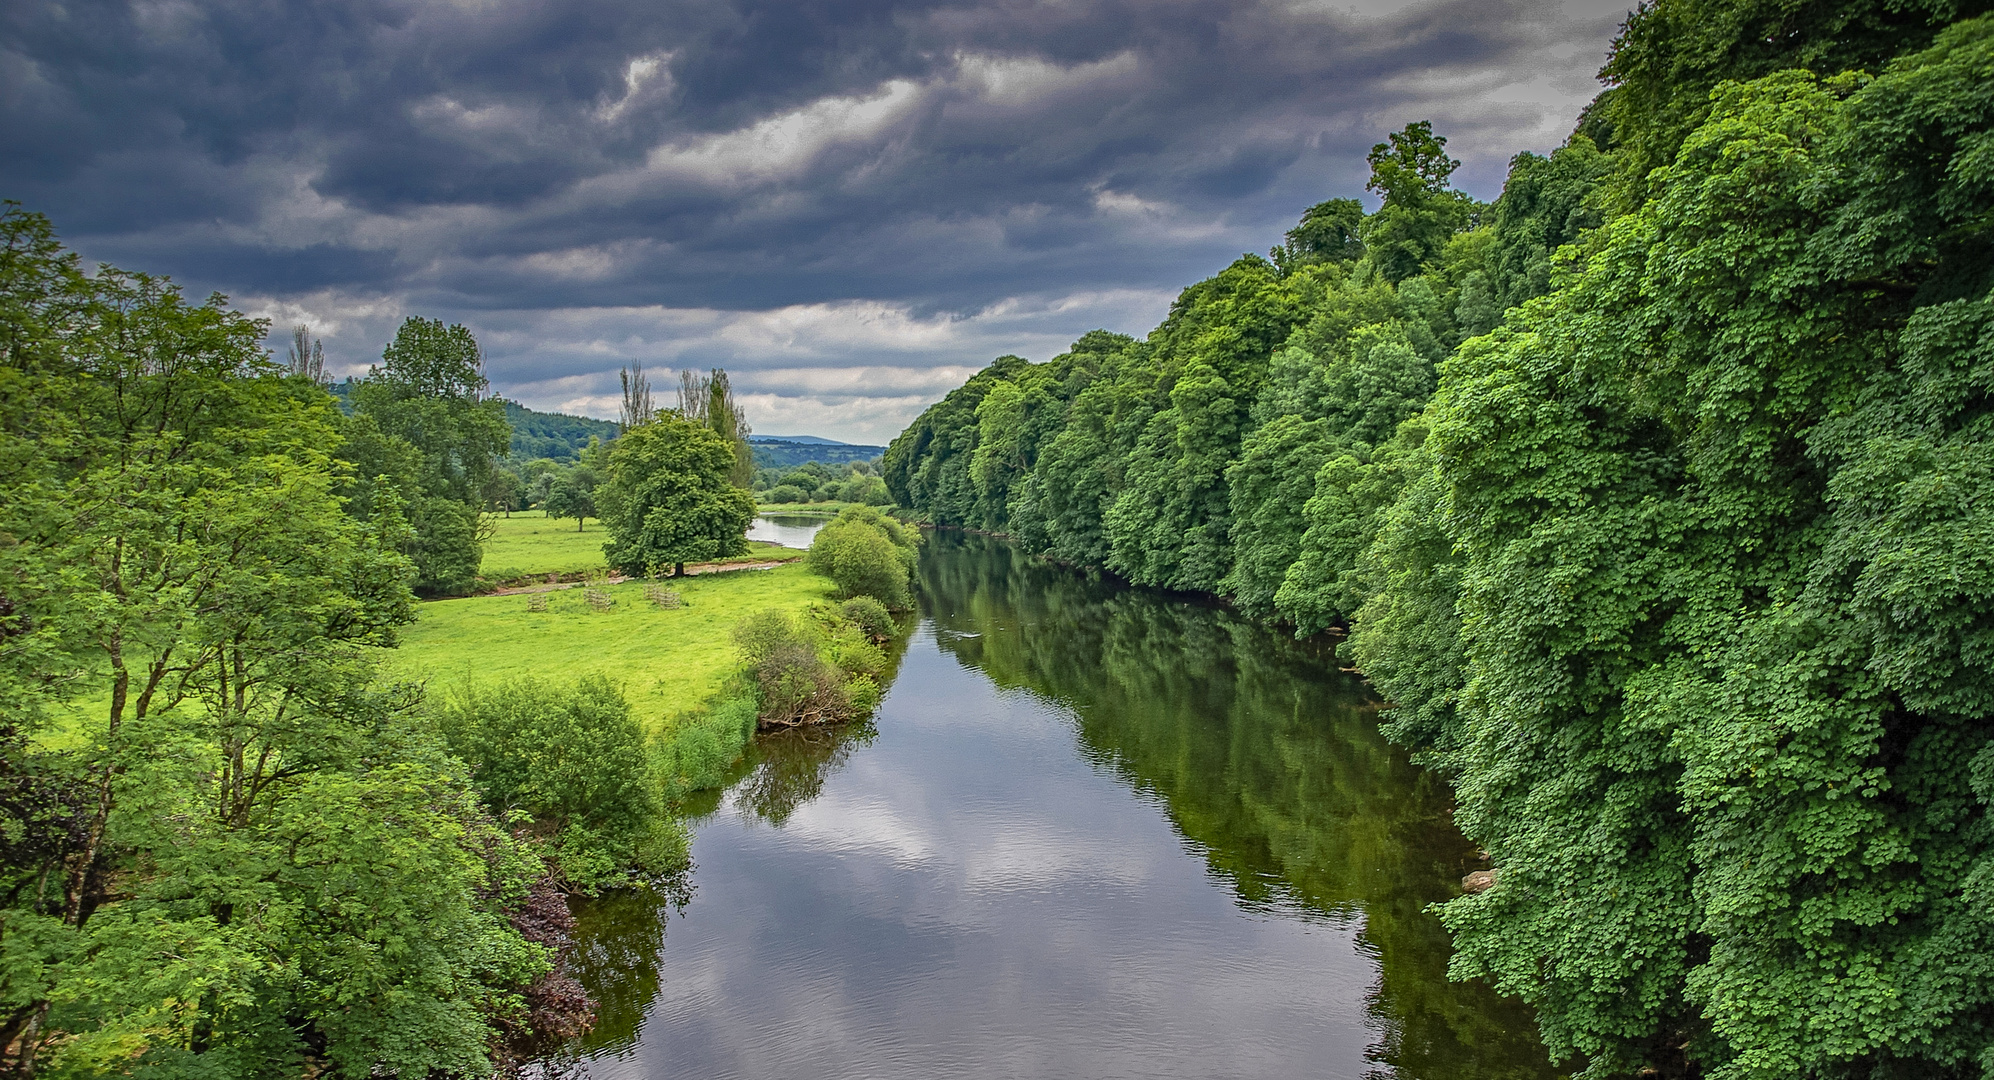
point(669, 661)
point(529, 542)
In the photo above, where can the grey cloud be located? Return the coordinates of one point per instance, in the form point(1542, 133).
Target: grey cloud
point(506, 164)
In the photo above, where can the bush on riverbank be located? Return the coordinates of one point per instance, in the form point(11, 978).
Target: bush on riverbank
point(574, 759)
point(868, 554)
point(821, 668)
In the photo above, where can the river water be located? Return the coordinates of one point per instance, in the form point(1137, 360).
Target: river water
point(1092, 832)
point(789, 530)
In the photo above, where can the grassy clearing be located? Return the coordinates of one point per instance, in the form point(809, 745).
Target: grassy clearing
point(669, 661)
point(530, 542)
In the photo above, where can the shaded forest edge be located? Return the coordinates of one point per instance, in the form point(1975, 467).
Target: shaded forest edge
point(1653, 495)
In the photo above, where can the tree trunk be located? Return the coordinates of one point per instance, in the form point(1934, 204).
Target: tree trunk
point(678, 570)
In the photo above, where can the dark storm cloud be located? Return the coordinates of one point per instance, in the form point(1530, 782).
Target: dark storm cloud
point(514, 164)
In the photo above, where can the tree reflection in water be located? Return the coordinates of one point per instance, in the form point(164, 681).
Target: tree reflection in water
point(1265, 757)
point(790, 767)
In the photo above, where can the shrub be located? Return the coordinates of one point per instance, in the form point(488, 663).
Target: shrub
point(868, 554)
point(697, 750)
point(869, 615)
point(576, 761)
point(820, 669)
point(788, 493)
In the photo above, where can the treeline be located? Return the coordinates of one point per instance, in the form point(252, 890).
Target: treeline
point(816, 481)
point(785, 454)
point(1654, 496)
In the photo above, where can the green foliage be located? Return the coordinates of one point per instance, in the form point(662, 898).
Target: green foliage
point(868, 554)
point(424, 423)
point(669, 500)
point(554, 436)
point(1672, 53)
point(1328, 232)
point(571, 494)
point(1546, 204)
point(869, 615)
point(817, 669)
point(230, 851)
point(576, 761)
point(1420, 212)
point(1709, 518)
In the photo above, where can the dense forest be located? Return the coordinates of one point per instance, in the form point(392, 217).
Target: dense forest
point(1655, 498)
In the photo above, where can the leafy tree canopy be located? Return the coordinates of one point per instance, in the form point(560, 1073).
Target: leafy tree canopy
point(669, 499)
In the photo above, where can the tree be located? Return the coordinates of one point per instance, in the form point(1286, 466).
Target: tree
point(575, 760)
point(1420, 212)
point(429, 393)
point(637, 407)
point(1711, 517)
point(709, 400)
point(571, 493)
point(668, 499)
point(307, 356)
point(1328, 232)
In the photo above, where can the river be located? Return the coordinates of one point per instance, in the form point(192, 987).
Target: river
point(1092, 832)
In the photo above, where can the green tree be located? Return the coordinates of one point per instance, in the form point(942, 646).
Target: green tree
point(709, 400)
point(867, 554)
point(429, 392)
point(1420, 212)
point(1720, 714)
point(668, 500)
point(1328, 232)
point(574, 759)
point(571, 493)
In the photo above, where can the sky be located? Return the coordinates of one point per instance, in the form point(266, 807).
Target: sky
point(851, 205)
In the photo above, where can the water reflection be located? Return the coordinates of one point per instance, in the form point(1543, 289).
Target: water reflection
point(789, 530)
point(790, 767)
point(1093, 833)
point(1268, 758)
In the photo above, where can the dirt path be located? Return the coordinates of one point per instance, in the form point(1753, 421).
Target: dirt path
point(618, 579)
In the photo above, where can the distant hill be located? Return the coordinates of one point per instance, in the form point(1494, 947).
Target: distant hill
point(537, 434)
point(812, 440)
point(789, 451)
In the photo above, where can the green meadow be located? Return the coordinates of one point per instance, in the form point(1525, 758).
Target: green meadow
point(530, 542)
point(668, 660)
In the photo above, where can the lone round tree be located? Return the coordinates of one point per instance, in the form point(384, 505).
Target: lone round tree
point(668, 500)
